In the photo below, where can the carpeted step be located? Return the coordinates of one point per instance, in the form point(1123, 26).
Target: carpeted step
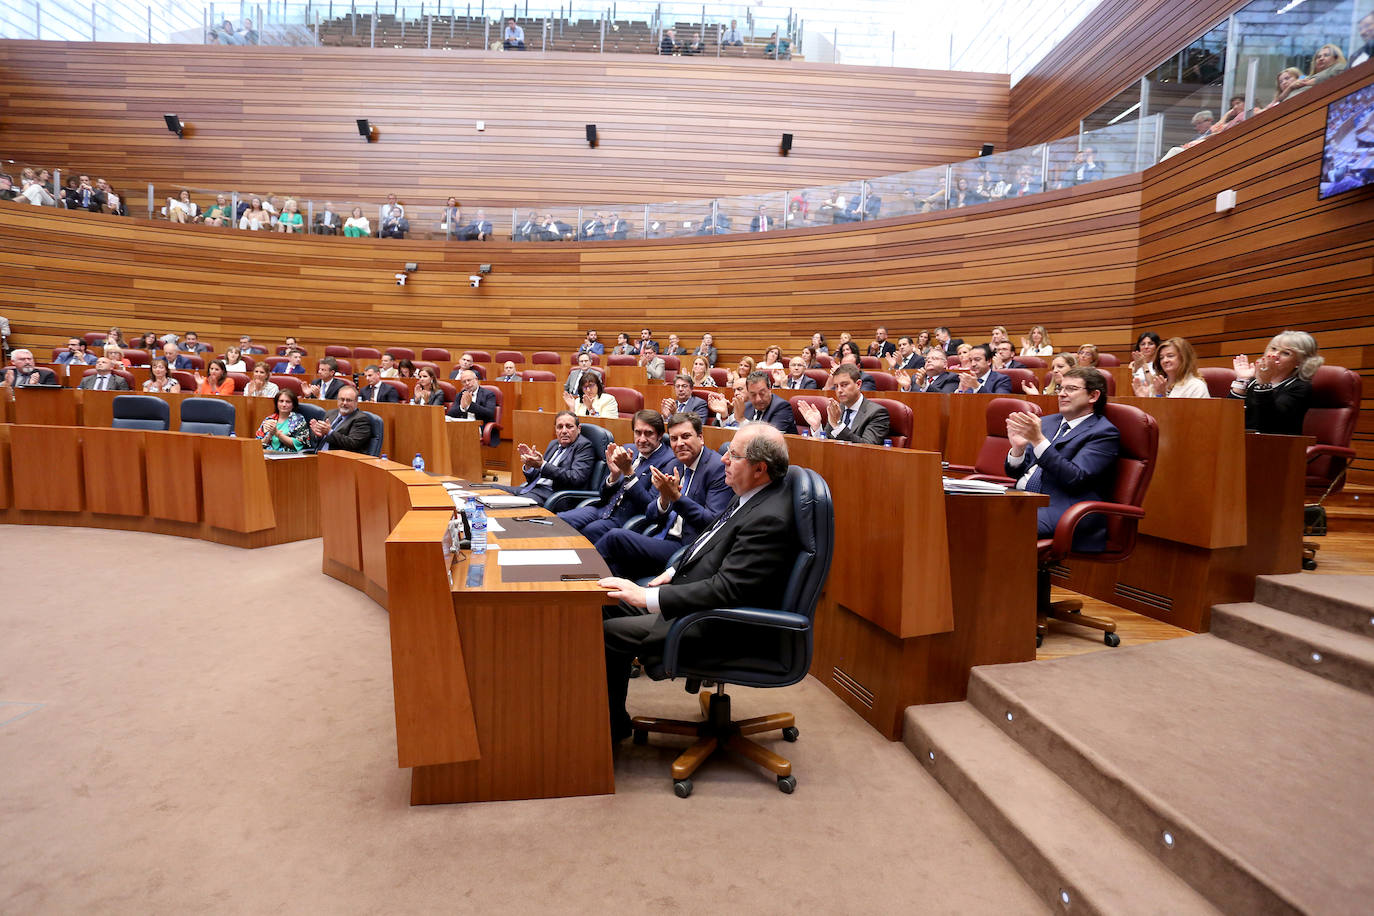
point(1257, 773)
point(1301, 642)
point(1343, 602)
point(1066, 850)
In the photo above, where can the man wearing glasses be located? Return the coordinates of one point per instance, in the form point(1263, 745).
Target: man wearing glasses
point(1070, 456)
point(737, 561)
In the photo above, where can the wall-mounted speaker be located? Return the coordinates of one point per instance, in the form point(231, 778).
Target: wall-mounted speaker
point(786, 144)
point(591, 135)
point(365, 129)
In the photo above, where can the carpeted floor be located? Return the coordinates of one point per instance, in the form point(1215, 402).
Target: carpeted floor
point(191, 727)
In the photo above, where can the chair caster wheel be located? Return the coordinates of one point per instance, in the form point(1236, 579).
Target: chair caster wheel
point(635, 671)
point(790, 734)
point(1039, 640)
point(682, 787)
point(640, 736)
point(1309, 564)
point(1111, 639)
point(787, 784)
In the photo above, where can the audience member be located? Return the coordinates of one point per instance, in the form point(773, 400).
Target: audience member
point(261, 384)
point(778, 49)
point(327, 383)
point(905, 357)
point(731, 37)
point(1233, 116)
point(345, 428)
point(1277, 387)
point(1088, 356)
point(286, 430)
point(1037, 342)
point(7, 190)
point(701, 373)
point(645, 344)
point(818, 345)
point(527, 230)
point(683, 400)
point(707, 348)
point(850, 417)
point(405, 368)
point(922, 342)
point(181, 209)
point(808, 356)
point(104, 378)
point(148, 341)
point(32, 190)
point(513, 39)
point(192, 344)
point(848, 353)
point(473, 402)
point(675, 347)
point(215, 381)
point(594, 401)
point(1085, 168)
point(564, 464)
point(756, 404)
point(655, 369)
point(234, 361)
point(1004, 357)
point(75, 353)
point(696, 46)
point(772, 360)
point(795, 377)
point(1058, 366)
point(22, 372)
point(1069, 456)
point(628, 486)
point(1175, 375)
point(290, 219)
point(174, 358)
point(255, 217)
point(933, 377)
point(554, 230)
point(388, 366)
point(761, 222)
point(669, 43)
point(977, 376)
point(246, 346)
point(479, 230)
point(1329, 61)
point(357, 226)
point(329, 222)
point(590, 344)
point(617, 228)
point(742, 370)
point(947, 343)
point(427, 390)
point(1285, 83)
point(376, 390)
point(465, 361)
point(573, 385)
point(291, 365)
point(1143, 357)
point(622, 346)
point(1364, 52)
point(881, 346)
point(159, 381)
point(394, 225)
point(508, 372)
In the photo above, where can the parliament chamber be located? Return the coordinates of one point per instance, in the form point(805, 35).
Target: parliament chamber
point(495, 670)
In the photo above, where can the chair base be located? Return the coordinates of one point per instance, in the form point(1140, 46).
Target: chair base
point(1070, 611)
point(717, 731)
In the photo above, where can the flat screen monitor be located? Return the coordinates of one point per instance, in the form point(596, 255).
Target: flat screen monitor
point(1348, 158)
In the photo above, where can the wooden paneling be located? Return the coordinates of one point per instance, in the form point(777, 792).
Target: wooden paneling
point(1112, 47)
point(281, 120)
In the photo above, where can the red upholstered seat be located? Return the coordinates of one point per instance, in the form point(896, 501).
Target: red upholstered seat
point(629, 400)
point(721, 377)
point(338, 350)
point(899, 421)
point(1018, 378)
point(137, 357)
point(1032, 362)
point(870, 362)
point(345, 365)
point(618, 359)
point(436, 353)
point(186, 380)
point(122, 373)
point(818, 401)
point(547, 358)
point(361, 353)
point(197, 362)
point(672, 364)
point(537, 375)
point(885, 381)
point(992, 455)
point(514, 356)
point(491, 432)
point(401, 385)
point(240, 380)
point(826, 360)
point(819, 376)
point(288, 381)
point(281, 351)
point(1331, 416)
point(94, 338)
point(479, 356)
point(450, 391)
point(399, 353)
point(1218, 380)
point(1107, 360)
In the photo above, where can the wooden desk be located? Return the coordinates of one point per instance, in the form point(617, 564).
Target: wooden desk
point(136, 480)
point(499, 687)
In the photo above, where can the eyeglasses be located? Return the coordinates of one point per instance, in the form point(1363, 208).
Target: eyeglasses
point(1070, 389)
point(734, 456)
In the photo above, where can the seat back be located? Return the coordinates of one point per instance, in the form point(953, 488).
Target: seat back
point(122, 373)
point(248, 362)
point(479, 356)
point(491, 432)
point(371, 353)
point(1218, 380)
point(94, 338)
point(514, 356)
point(900, 421)
point(401, 385)
point(374, 445)
point(1332, 412)
point(818, 401)
point(345, 365)
point(884, 381)
point(819, 376)
point(814, 518)
point(1135, 465)
point(400, 353)
point(197, 362)
point(869, 363)
point(546, 358)
point(240, 380)
point(599, 437)
point(537, 375)
point(186, 380)
point(436, 353)
point(629, 400)
point(450, 391)
point(137, 357)
point(1107, 360)
point(1032, 362)
point(721, 377)
point(281, 350)
point(620, 359)
point(992, 455)
point(214, 416)
point(826, 360)
point(286, 381)
point(337, 350)
point(1018, 378)
point(311, 411)
point(141, 411)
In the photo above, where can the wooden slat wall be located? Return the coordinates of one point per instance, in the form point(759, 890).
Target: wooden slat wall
point(1283, 259)
point(1114, 45)
point(281, 120)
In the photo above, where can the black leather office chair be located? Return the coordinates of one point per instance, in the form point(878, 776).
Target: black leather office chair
point(207, 415)
point(374, 445)
point(599, 437)
point(312, 412)
point(752, 647)
point(141, 411)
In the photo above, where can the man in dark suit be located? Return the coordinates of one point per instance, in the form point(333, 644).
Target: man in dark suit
point(479, 230)
point(594, 229)
point(75, 354)
point(851, 417)
point(174, 358)
point(617, 228)
point(191, 344)
point(707, 349)
point(465, 361)
point(1070, 456)
point(473, 402)
point(1004, 357)
point(88, 197)
point(691, 494)
point(645, 344)
point(933, 376)
point(737, 561)
point(881, 346)
point(591, 344)
point(553, 230)
point(683, 401)
point(761, 222)
point(525, 230)
point(327, 386)
point(949, 344)
point(377, 390)
point(573, 385)
point(563, 465)
point(675, 347)
point(759, 404)
point(906, 359)
point(625, 491)
point(977, 376)
point(795, 377)
point(21, 372)
point(347, 428)
point(104, 378)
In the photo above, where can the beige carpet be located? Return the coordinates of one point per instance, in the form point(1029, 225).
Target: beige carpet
point(190, 727)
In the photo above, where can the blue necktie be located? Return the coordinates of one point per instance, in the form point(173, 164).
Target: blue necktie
point(672, 516)
point(848, 415)
point(1035, 484)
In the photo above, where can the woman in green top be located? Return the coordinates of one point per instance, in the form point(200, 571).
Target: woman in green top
point(290, 219)
point(219, 214)
point(286, 430)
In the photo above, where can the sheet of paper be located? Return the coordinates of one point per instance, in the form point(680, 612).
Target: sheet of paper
point(494, 525)
point(505, 501)
point(538, 558)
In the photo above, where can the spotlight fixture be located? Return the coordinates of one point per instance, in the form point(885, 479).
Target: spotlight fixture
point(174, 124)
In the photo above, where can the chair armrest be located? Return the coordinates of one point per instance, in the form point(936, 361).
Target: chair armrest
point(1063, 532)
point(571, 499)
point(993, 478)
point(959, 469)
point(638, 524)
point(492, 433)
point(1333, 451)
point(749, 616)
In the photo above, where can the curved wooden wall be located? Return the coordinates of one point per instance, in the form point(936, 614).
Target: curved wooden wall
point(281, 120)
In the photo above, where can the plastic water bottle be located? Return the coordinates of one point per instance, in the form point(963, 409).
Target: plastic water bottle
point(479, 527)
point(384, 456)
point(419, 462)
point(887, 443)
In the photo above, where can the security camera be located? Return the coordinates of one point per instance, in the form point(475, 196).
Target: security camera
point(475, 280)
point(400, 279)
